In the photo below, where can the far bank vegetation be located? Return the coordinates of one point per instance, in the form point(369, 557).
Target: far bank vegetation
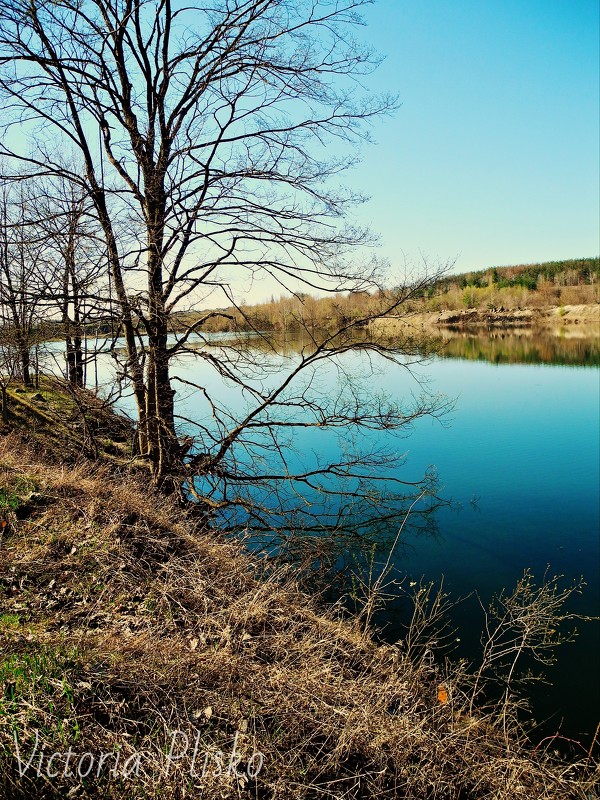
point(545, 285)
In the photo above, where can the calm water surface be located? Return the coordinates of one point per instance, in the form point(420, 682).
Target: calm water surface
point(519, 456)
point(523, 445)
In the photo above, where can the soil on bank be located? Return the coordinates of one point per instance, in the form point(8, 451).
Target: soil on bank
point(584, 319)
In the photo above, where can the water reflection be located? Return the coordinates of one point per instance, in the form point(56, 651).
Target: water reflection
point(575, 346)
point(519, 456)
point(523, 346)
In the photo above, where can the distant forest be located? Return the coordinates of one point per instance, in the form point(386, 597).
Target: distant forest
point(574, 272)
point(552, 283)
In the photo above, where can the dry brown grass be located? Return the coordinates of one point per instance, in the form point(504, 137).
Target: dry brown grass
point(68, 423)
point(122, 620)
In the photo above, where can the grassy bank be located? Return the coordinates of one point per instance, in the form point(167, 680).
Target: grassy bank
point(66, 423)
point(123, 621)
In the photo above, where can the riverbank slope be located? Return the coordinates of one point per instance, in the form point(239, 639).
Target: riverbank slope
point(186, 667)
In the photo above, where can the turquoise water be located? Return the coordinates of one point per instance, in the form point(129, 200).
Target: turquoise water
point(523, 443)
point(519, 456)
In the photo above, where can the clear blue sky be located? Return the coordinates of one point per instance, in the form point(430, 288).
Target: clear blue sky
point(493, 157)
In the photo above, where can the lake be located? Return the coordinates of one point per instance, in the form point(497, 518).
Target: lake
point(523, 445)
point(518, 455)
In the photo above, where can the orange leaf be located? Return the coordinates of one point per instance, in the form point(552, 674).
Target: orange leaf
point(442, 694)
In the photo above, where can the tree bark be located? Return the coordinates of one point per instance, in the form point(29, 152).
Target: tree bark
point(135, 367)
point(4, 404)
point(25, 361)
point(164, 447)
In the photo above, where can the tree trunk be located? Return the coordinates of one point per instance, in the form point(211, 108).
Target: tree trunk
point(70, 353)
point(25, 360)
point(77, 376)
point(4, 404)
point(74, 360)
point(135, 367)
point(164, 447)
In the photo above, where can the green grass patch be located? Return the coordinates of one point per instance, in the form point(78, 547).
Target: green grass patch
point(39, 686)
point(9, 621)
point(12, 496)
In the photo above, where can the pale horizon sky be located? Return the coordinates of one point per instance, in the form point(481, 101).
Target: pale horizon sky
point(493, 157)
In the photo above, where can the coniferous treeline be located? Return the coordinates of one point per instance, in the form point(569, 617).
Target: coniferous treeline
point(572, 272)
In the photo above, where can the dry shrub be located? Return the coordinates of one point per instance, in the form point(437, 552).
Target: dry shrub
point(579, 295)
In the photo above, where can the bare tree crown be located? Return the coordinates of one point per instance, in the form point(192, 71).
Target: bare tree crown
point(211, 136)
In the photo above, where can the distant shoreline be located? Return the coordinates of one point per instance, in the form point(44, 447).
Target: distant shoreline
point(551, 317)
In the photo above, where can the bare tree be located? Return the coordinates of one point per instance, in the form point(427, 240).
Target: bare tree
point(73, 273)
point(8, 367)
point(20, 299)
point(218, 130)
